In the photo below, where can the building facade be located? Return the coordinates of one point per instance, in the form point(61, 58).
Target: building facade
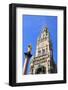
point(42, 62)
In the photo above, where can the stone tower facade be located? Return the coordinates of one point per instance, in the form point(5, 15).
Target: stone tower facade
point(43, 62)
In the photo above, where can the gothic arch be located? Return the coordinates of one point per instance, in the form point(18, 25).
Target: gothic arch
point(40, 70)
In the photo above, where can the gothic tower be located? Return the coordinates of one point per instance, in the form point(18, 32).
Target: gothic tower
point(43, 62)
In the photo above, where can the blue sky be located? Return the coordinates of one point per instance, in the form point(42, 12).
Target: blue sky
point(32, 27)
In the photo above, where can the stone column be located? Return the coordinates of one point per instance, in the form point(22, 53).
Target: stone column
point(28, 55)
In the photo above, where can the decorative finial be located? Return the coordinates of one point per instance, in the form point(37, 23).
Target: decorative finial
point(44, 28)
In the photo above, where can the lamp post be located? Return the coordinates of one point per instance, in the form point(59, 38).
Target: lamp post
point(28, 55)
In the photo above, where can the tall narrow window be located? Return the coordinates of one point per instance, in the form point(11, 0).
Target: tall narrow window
point(43, 51)
point(39, 52)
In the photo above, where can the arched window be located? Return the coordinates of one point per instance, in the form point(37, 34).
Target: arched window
point(40, 70)
point(39, 52)
point(43, 51)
